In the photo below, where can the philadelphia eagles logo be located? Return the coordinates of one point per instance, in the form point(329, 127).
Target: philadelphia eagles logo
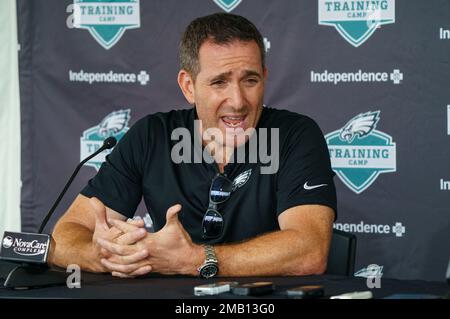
point(360, 126)
point(359, 152)
point(113, 123)
point(241, 179)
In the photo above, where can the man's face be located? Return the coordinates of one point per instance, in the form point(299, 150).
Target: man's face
point(228, 91)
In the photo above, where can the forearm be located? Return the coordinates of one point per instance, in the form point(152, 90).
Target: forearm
point(73, 245)
point(284, 252)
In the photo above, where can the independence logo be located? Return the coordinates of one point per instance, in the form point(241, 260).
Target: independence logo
point(106, 20)
point(228, 5)
point(114, 124)
point(356, 21)
point(359, 153)
point(109, 77)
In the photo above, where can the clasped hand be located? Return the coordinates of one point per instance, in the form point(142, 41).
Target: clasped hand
point(128, 250)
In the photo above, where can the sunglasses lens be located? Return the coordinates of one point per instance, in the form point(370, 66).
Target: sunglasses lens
point(220, 189)
point(212, 224)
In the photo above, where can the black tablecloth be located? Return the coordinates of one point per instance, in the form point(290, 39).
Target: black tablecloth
point(179, 287)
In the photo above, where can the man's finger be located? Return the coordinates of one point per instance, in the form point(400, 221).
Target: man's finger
point(114, 233)
point(131, 259)
point(131, 237)
point(121, 250)
point(104, 253)
point(172, 213)
point(120, 275)
point(136, 222)
point(123, 226)
point(126, 269)
point(140, 272)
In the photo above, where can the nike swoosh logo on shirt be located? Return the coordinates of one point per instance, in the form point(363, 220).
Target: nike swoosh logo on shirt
point(307, 187)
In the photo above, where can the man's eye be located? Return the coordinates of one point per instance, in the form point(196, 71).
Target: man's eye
point(252, 81)
point(218, 83)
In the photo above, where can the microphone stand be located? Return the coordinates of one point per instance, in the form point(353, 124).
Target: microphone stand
point(23, 275)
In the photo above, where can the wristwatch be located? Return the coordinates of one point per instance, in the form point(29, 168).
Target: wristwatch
point(210, 267)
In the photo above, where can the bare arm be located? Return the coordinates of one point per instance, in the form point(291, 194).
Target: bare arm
point(299, 248)
point(75, 232)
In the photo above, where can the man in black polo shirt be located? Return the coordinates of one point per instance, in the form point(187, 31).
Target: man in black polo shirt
point(234, 188)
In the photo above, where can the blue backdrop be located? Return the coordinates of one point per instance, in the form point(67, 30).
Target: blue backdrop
point(373, 74)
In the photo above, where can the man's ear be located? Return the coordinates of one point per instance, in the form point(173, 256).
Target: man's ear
point(186, 83)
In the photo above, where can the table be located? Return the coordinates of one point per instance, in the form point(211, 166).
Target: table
point(181, 287)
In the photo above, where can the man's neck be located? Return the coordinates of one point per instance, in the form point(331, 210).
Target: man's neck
point(221, 168)
point(221, 155)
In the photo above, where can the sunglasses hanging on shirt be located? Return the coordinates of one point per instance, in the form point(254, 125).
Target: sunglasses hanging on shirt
point(219, 192)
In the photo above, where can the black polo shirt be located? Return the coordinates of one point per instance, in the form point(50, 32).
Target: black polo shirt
point(141, 165)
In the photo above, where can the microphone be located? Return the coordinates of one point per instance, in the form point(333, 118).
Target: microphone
point(31, 249)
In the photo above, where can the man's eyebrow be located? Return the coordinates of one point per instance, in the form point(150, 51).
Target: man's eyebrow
point(252, 73)
point(219, 77)
point(226, 75)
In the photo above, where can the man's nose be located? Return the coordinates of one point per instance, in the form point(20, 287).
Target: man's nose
point(236, 97)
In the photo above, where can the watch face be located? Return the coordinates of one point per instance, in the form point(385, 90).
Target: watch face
point(209, 270)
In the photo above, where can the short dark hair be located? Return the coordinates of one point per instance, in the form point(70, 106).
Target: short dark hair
point(221, 28)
